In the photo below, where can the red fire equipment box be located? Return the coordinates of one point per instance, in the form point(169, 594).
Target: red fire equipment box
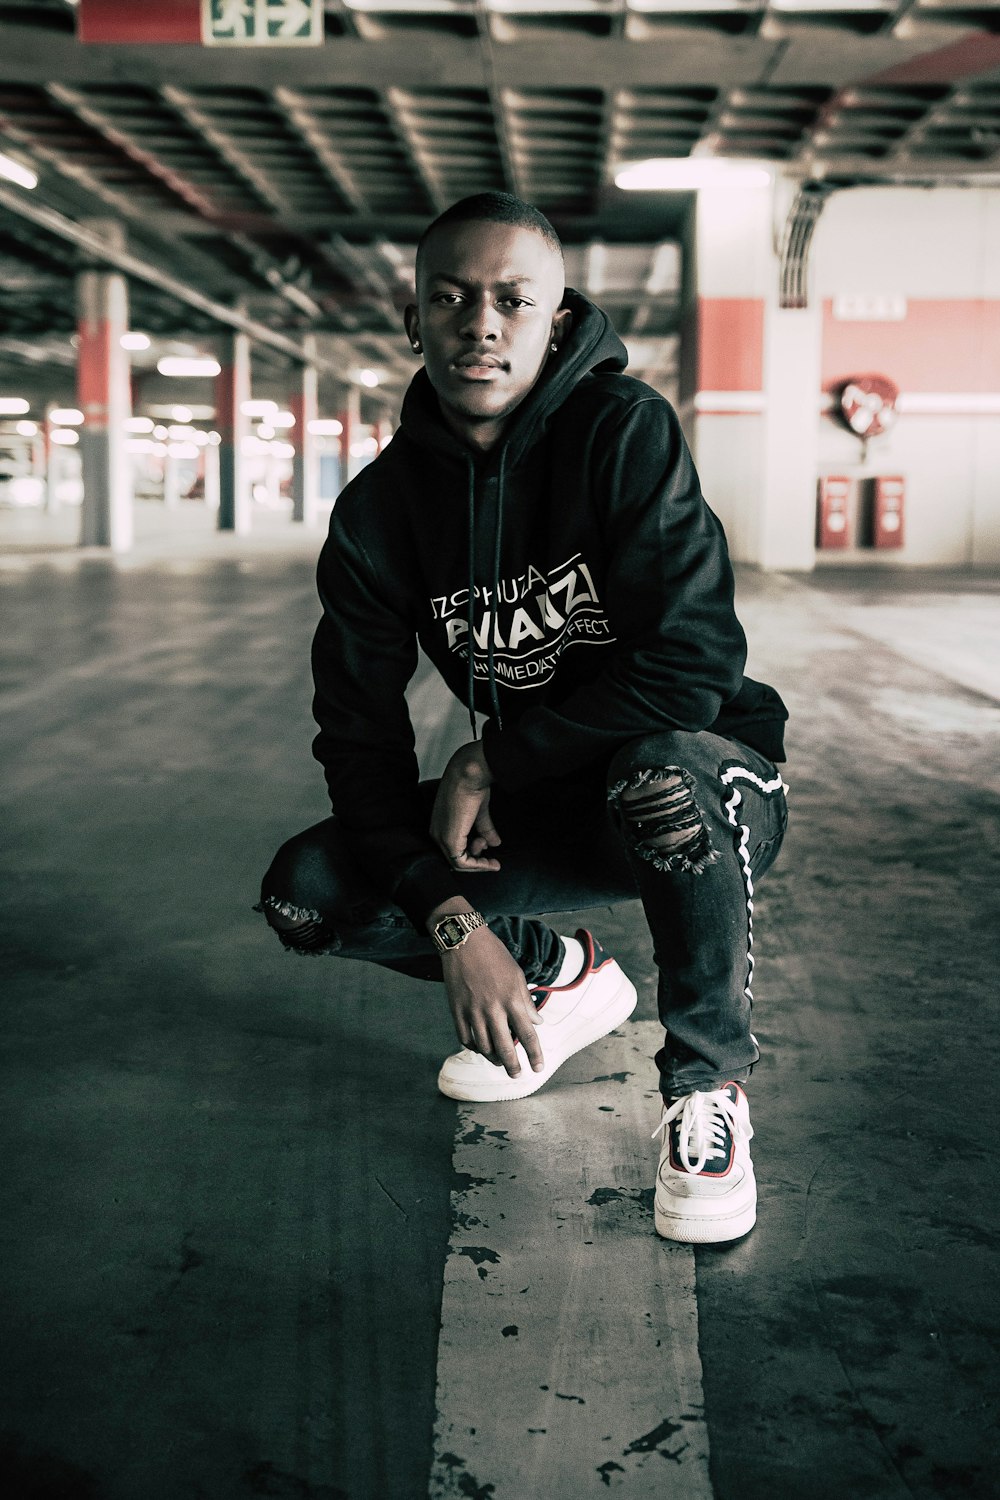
point(832, 511)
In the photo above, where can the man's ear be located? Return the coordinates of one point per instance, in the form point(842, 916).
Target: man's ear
point(562, 323)
point(411, 322)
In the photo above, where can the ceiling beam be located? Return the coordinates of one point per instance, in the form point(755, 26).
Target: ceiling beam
point(97, 249)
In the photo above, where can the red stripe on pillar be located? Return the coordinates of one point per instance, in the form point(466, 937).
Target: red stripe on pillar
point(227, 417)
point(730, 344)
point(93, 373)
point(149, 21)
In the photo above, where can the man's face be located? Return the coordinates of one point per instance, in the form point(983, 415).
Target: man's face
point(486, 317)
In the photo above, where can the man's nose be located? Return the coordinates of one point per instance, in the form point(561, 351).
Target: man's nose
point(481, 321)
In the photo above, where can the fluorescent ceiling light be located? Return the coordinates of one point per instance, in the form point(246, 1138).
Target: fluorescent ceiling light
point(26, 429)
point(326, 427)
point(13, 406)
point(369, 378)
point(258, 408)
point(181, 413)
point(182, 450)
point(13, 171)
point(688, 174)
point(265, 431)
point(282, 419)
point(65, 437)
point(66, 416)
point(179, 365)
point(139, 424)
point(135, 341)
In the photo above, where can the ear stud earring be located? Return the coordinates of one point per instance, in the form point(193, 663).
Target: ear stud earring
point(554, 348)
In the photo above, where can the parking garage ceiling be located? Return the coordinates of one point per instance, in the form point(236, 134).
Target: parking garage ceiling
point(293, 182)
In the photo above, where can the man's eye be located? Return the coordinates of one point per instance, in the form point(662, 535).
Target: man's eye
point(449, 297)
point(517, 302)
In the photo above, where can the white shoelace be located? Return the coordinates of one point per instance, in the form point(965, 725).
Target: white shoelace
point(704, 1118)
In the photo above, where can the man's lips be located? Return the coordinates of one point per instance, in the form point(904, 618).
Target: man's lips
point(477, 366)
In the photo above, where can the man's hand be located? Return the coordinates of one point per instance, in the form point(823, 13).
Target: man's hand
point(490, 1003)
point(460, 823)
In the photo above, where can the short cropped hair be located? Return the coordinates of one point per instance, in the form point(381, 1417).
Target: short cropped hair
point(492, 208)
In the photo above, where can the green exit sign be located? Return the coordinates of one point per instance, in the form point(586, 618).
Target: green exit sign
point(262, 23)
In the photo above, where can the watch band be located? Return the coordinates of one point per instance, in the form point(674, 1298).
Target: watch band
point(454, 930)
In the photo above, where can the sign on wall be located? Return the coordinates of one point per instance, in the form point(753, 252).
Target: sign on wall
point(261, 23)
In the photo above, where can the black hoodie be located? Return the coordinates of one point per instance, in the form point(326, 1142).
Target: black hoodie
point(614, 600)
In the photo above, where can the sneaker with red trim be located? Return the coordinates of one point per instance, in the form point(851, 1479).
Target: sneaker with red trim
point(706, 1192)
point(576, 1014)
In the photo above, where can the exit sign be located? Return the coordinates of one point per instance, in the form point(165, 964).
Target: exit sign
point(261, 23)
point(209, 23)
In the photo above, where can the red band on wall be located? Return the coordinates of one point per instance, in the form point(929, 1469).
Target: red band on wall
point(145, 22)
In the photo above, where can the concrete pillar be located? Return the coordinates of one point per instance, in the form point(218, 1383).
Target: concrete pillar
point(304, 406)
point(350, 419)
point(751, 379)
point(232, 388)
point(104, 398)
point(52, 465)
point(210, 457)
point(171, 480)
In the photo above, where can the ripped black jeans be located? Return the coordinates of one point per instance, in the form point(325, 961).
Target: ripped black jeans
point(686, 822)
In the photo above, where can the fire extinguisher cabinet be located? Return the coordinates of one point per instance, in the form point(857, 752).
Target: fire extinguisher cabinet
point(833, 512)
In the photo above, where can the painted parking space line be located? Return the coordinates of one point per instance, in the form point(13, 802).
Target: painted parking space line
point(568, 1362)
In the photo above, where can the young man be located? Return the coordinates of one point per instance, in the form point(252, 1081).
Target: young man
point(536, 525)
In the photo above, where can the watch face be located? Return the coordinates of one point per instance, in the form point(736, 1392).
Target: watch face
point(451, 931)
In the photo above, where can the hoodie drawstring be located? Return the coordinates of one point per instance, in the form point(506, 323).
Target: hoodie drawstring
point(494, 594)
point(489, 613)
point(470, 608)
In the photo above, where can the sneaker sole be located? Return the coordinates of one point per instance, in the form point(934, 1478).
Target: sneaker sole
point(618, 1009)
point(709, 1229)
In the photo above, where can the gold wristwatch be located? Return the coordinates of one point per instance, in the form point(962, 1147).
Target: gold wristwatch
point(454, 930)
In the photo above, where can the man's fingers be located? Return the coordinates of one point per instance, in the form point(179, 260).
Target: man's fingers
point(486, 828)
point(527, 1035)
point(473, 863)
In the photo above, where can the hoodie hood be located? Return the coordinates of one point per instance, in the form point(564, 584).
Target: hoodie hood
point(592, 347)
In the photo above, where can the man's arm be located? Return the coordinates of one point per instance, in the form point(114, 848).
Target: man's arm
point(489, 999)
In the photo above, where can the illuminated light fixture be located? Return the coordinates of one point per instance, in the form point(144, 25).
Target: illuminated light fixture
point(182, 434)
point(282, 450)
point(181, 413)
point(180, 365)
point(258, 408)
point(325, 427)
point(26, 429)
point(13, 171)
point(689, 174)
point(13, 406)
point(159, 433)
point(215, 438)
point(66, 416)
point(135, 341)
point(65, 437)
point(265, 431)
point(141, 445)
point(369, 378)
point(139, 424)
point(282, 419)
point(182, 450)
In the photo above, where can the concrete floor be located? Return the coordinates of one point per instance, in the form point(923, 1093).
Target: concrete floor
point(234, 1205)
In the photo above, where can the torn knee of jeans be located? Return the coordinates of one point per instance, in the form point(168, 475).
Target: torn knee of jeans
point(299, 929)
point(662, 820)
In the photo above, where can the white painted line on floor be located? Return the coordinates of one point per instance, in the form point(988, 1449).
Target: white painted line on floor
point(568, 1363)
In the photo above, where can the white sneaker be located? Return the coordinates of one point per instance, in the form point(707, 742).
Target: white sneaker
point(576, 1014)
point(706, 1192)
